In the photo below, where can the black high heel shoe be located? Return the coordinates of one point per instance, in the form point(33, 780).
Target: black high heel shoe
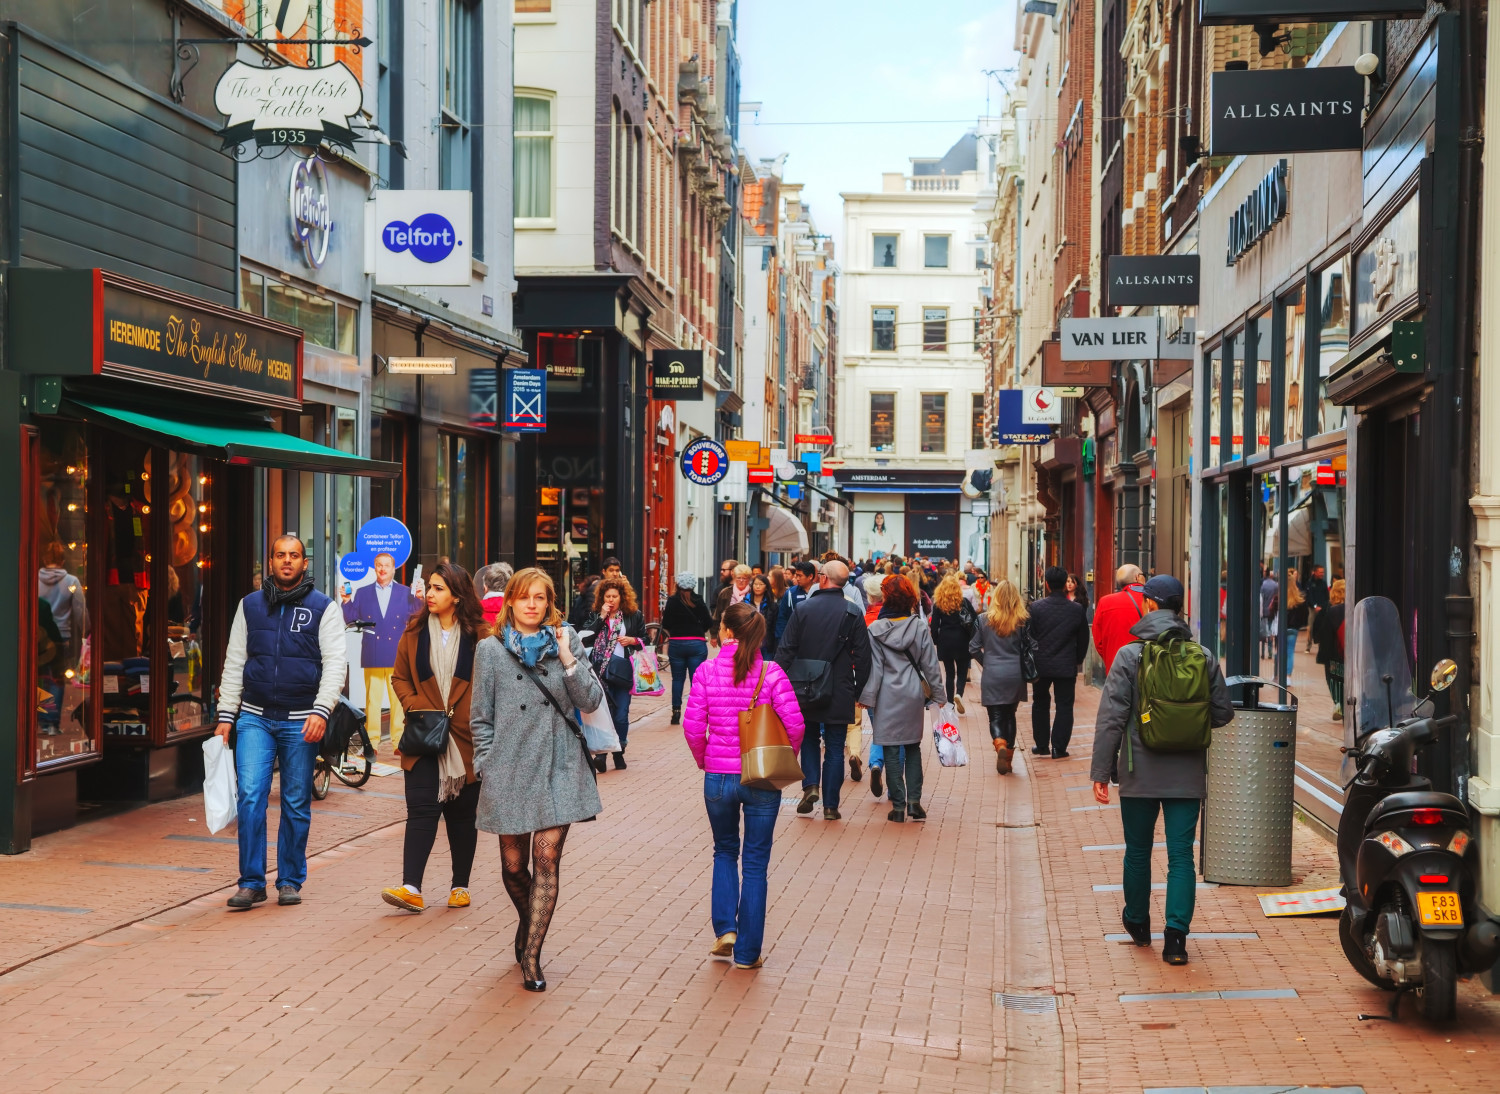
point(533, 985)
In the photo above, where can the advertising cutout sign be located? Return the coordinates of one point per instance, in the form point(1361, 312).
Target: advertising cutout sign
point(1150, 280)
point(1249, 12)
point(288, 105)
point(525, 400)
point(1131, 338)
point(1287, 110)
point(677, 374)
point(422, 237)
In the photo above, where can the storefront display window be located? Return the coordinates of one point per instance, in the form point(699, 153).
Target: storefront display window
point(328, 323)
point(1215, 408)
point(1237, 351)
point(189, 698)
point(1261, 353)
point(1333, 338)
point(460, 473)
point(1294, 362)
point(125, 629)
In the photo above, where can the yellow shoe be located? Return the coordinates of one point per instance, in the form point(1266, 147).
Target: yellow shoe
point(401, 898)
point(724, 945)
point(757, 963)
point(459, 898)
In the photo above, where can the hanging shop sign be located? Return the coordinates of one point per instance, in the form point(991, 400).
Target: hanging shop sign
point(422, 237)
point(813, 438)
point(288, 104)
point(1058, 374)
point(1180, 344)
point(704, 461)
point(1130, 338)
point(1011, 426)
point(525, 400)
point(677, 374)
point(1040, 406)
point(1150, 280)
point(1249, 12)
point(746, 452)
point(1287, 110)
point(1258, 214)
point(421, 366)
point(311, 212)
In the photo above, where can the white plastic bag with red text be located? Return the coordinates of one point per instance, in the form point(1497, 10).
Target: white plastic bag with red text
point(945, 737)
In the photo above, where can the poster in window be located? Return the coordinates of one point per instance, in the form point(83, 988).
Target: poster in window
point(932, 534)
point(879, 533)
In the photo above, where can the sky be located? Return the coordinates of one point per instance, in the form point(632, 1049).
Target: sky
point(912, 76)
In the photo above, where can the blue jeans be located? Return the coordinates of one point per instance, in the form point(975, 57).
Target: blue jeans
point(684, 655)
point(1289, 643)
point(740, 907)
point(830, 737)
point(260, 742)
point(877, 755)
point(619, 710)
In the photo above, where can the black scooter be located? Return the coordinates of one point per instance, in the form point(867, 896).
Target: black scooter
point(1410, 922)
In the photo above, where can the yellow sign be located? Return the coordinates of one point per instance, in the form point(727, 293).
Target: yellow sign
point(743, 451)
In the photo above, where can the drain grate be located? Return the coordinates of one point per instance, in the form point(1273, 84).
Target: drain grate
point(1026, 1004)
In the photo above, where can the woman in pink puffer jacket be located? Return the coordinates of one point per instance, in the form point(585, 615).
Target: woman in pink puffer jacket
point(723, 688)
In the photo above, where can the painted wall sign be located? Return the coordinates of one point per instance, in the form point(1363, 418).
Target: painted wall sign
point(1010, 424)
point(288, 105)
point(1040, 406)
point(525, 400)
point(1129, 338)
point(1150, 280)
point(422, 237)
point(1287, 110)
point(312, 215)
point(704, 461)
point(677, 374)
point(1258, 214)
point(1249, 12)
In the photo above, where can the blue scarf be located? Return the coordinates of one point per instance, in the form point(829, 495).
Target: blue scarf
point(531, 648)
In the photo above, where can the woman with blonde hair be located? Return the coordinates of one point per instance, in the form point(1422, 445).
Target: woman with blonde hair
point(954, 625)
point(997, 644)
point(530, 756)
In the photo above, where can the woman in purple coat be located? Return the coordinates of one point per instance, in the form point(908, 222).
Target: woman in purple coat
point(722, 689)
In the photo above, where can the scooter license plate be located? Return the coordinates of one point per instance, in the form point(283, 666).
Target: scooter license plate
point(1440, 910)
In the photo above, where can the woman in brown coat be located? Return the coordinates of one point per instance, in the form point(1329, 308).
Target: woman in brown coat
point(434, 671)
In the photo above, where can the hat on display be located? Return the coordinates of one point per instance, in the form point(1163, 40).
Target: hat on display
point(1163, 587)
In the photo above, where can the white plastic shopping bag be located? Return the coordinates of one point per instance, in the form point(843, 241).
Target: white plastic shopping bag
point(220, 791)
point(599, 729)
point(945, 738)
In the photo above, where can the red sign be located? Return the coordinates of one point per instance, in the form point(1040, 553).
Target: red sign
point(760, 474)
point(813, 438)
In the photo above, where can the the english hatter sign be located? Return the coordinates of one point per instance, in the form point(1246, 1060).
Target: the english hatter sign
point(1150, 280)
point(1250, 12)
point(1287, 110)
point(288, 105)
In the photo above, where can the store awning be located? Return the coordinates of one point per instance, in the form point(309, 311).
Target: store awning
point(784, 532)
point(241, 442)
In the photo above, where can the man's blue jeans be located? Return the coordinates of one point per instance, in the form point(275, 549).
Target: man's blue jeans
point(259, 742)
point(684, 655)
point(737, 906)
point(830, 738)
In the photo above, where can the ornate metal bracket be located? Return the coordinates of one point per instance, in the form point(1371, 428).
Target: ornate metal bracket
point(186, 50)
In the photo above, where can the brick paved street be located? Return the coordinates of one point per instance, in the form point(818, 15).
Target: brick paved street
point(886, 947)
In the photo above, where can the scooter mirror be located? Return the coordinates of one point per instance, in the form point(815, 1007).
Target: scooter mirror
point(1443, 674)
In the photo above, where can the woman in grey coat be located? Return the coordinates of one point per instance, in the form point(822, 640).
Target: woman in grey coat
point(536, 778)
point(904, 659)
point(996, 645)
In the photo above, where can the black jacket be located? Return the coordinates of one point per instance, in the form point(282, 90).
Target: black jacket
point(1325, 632)
point(769, 611)
point(1060, 627)
point(812, 635)
point(635, 627)
point(690, 620)
point(583, 607)
point(951, 631)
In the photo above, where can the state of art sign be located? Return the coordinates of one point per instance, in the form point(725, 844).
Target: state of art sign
point(1250, 12)
point(1150, 280)
point(1287, 110)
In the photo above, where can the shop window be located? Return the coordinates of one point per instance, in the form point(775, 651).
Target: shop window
point(1333, 338)
point(935, 252)
point(189, 523)
point(327, 323)
point(533, 154)
point(976, 417)
point(252, 292)
point(125, 628)
point(64, 635)
point(1260, 351)
point(883, 421)
point(1294, 363)
point(934, 423)
point(1212, 428)
point(883, 330)
point(935, 330)
point(886, 251)
point(340, 525)
point(1237, 348)
point(572, 362)
point(460, 476)
point(389, 436)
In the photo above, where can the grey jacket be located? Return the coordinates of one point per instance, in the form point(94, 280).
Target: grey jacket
point(1000, 658)
point(1145, 773)
point(893, 693)
point(532, 769)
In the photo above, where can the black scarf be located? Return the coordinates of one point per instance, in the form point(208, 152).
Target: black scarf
point(276, 596)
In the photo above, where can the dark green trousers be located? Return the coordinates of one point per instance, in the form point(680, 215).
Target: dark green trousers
point(1180, 818)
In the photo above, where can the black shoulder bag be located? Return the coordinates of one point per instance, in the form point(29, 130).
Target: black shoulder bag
point(588, 757)
point(812, 679)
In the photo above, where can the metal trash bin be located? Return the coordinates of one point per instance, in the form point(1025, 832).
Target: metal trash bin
point(1247, 819)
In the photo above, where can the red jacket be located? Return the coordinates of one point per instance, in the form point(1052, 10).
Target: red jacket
point(1114, 615)
point(492, 605)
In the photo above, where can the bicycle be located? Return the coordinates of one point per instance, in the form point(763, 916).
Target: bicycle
point(352, 771)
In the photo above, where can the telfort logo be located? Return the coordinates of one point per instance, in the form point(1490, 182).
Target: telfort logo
point(429, 238)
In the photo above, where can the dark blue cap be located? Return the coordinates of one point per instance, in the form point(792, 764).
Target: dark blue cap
point(1163, 587)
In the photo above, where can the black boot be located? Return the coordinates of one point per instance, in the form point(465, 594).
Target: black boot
point(619, 761)
point(677, 716)
point(1174, 946)
point(1140, 933)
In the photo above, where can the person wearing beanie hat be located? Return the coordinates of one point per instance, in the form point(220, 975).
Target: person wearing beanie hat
point(1152, 781)
point(687, 621)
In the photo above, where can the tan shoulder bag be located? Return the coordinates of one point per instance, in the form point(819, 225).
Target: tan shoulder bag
point(767, 760)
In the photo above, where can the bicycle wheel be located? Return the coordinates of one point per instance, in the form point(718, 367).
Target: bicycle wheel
point(654, 637)
point(320, 779)
point(353, 768)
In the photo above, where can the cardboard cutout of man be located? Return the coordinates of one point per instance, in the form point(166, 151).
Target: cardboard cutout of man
point(389, 606)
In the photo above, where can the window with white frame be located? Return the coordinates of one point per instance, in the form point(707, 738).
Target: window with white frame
point(533, 156)
point(886, 251)
point(461, 164)
point(935, 252)
point(883, 330)
point(882, 421)
point(934, 423)
point(935, 330)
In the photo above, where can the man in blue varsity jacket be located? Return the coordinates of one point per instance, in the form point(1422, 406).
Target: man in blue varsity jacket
point(283, 672)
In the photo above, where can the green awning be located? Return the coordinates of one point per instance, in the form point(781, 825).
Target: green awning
point(236, 442)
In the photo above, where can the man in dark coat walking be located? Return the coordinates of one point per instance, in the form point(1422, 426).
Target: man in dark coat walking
point(826, 627)
point(1061, 631)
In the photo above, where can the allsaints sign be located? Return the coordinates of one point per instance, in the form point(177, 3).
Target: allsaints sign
point(1147, 280)
point(1258, 214)
point(1132, 338)
point(1249, 12)
point(1287, 110)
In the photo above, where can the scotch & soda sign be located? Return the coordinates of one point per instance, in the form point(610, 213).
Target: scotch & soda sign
point(1287, 110)
point(1148, 280)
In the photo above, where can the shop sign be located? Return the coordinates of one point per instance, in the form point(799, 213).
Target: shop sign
point(377, 536)
point(746, 452)
point(421, 366)
point(1059, 374)
point(1258, 214)
point(421, 237)
point(979, 507)
point(1249, 12)
point(1040, 406)
point(1181, 344)
point(163, 337)
point(525, 400)
point(312, 215)
point(704, 461)
point(288, 104)
point(1387, 267)
point(677, 374)
point(1150, 280)
point(760, 474)
point(1130, 338)
point(814, 438)
point(1010, 422)
point(1287, 110)
point(932, 534)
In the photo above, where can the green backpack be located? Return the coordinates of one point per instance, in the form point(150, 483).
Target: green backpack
point(1172, 690)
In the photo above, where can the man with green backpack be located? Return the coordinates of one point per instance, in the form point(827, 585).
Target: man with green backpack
point(1163, 696)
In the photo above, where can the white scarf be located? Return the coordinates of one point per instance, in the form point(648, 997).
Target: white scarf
point(443, 657)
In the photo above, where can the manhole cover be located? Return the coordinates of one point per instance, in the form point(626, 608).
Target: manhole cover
point(1026, 1004)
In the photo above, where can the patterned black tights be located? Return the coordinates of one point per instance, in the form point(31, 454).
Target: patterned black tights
point(533, 891)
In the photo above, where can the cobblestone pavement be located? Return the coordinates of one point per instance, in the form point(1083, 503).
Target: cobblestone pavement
point(964, 954)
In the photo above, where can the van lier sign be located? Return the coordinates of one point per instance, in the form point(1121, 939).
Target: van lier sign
point(1258, 214)
point(1287, 110)
point(288, 105)
point(1150, 280)
point(1132, 338)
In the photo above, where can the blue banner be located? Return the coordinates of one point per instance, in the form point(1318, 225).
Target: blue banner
point(1009, 428)
point(525, 400)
